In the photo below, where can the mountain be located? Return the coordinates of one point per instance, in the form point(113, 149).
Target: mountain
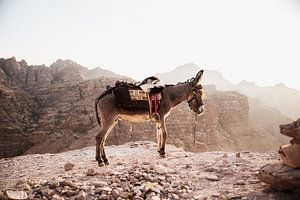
point(281, 97)
point(77, 72)
point(186, 71)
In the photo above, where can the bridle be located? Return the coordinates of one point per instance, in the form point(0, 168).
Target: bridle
point(197, 97)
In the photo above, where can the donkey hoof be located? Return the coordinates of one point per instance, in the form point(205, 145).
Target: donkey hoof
point(101, 164)
point(106, 162)
point(162, 155)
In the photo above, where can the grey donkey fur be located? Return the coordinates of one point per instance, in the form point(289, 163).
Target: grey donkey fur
point(108, 114)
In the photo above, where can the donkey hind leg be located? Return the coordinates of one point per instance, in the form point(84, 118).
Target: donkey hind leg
point(161, 139)
point(100, 140)
point(102, 151)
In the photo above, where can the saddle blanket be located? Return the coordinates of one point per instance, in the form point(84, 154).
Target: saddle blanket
point(138, 95)
point(132, 99)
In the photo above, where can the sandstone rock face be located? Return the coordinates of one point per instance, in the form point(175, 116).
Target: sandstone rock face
point(43, 106)
point(51, 109)
point(285, 175)
point(281, 176)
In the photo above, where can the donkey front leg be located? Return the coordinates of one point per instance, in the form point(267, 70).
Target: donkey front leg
point(161, 139)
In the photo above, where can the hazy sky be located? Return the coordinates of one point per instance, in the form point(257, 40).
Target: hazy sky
point(255, 40)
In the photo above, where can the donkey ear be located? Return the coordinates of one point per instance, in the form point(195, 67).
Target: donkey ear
point(198, 77)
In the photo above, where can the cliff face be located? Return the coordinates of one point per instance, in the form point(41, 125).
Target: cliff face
point(51, 109)
point(39, 104)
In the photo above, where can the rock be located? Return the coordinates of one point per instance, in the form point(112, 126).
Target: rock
point(87, 188)
point(23, 185)
point(68, 183)
point(137, 198)
point(175, 196)
point(155, 198)
point(99, 183)
point(16, 194)
point(199, 196)
point(133, 145)
point(291, 130)
point(81, 196)
point(148, 187)
point(290, 155)
point(91, 172)
point(115, 193)
point(124, 195)
point(57, 197)
point(106, 189)
point(68, 166)
point(212, 177)
point(104, 197)
point(280, 176)
point(240, 182)
point(160, 169)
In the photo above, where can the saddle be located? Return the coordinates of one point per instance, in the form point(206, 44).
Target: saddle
point(143, 96)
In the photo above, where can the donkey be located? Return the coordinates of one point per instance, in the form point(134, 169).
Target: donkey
point(108, 113)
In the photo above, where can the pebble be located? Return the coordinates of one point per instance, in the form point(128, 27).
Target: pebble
point(160, 169)
point(175, 197)
point(91, 172)
point(16, 194)
point(57, 197)
point(155, 198)
point(99, 183)
point(240, 182)
point(81, 196)
point(68, 183)
point(104, 197)
point(68, 166)
point(148, 187)
point(212, 177)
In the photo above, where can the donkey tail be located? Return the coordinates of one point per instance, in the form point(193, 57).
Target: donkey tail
point(108, 91)
point(96, 109)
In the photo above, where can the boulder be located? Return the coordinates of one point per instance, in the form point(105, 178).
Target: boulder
point(280, 176)
point(290, 155)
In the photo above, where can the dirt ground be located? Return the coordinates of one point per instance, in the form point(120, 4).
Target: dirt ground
point(137, 172)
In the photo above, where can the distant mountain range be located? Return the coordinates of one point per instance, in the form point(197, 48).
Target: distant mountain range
point(281, 97)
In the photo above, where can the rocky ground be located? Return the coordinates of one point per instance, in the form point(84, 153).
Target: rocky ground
point(137, 172)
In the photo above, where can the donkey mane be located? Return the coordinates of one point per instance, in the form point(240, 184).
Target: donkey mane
point(180, 83)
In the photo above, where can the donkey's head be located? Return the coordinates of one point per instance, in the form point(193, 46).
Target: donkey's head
point(196, 98)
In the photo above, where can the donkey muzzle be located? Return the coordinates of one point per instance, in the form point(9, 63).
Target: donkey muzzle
point(200, 110)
